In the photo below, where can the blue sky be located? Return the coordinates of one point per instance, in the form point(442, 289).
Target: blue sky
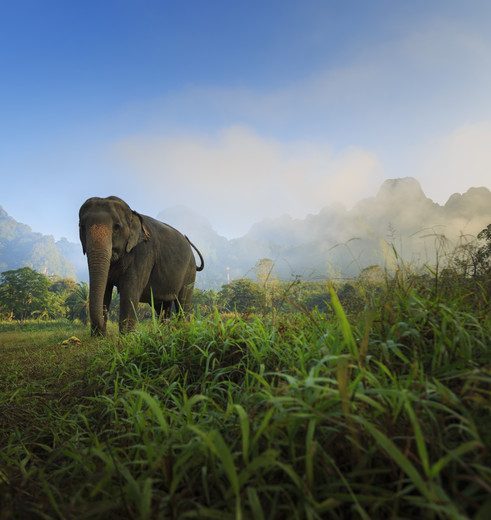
point(239, 110)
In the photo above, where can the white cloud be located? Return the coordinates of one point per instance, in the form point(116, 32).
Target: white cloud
point(457, 162)
point(393, 96)
point(390, 94)
point(238, 177)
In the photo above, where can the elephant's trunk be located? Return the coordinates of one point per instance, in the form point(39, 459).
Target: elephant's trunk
point(98, 258)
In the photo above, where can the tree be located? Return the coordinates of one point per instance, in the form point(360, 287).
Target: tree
point(268, 283)
point(203, 300)
point(308, 294)
point(24, 292)
point(78, 303)
point(114, 308)
point(372, 276)
point(241, 295)
point(62, 286)
point(474, 258)
point(484, 250)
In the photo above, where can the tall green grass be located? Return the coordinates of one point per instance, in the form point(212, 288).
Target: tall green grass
point(302, 416)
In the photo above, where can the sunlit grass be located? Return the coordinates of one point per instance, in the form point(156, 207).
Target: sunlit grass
point(302, 415)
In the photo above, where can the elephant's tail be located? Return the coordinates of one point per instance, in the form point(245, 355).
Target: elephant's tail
point(202, 266)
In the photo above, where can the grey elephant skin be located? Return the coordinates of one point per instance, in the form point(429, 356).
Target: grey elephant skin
point(142, 257)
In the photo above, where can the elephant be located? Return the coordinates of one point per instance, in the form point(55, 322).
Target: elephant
point(146, 260)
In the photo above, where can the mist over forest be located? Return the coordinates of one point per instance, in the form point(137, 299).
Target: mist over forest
point(339, 243)
point(335, 243)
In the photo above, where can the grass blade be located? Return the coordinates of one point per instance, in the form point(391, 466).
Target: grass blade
point(344, 323)
point(155, 407)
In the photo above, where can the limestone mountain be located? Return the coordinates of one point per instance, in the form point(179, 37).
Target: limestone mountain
point(341, 242)
point(20, 246)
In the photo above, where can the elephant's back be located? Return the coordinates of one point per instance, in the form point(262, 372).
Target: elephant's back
point(165, 231)
point(172, 249)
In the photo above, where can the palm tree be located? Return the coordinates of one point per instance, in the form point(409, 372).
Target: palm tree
point(78, 303)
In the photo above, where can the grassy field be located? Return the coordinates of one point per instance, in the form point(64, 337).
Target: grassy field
point(385, 414)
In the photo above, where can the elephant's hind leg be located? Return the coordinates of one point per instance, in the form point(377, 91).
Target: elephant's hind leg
point(183, 303)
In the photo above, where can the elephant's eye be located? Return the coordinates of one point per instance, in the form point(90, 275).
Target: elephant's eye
point(116, 227)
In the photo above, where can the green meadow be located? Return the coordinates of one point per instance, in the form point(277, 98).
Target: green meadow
point(379, 412)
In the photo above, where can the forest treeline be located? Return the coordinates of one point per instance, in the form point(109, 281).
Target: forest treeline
point(27, 294)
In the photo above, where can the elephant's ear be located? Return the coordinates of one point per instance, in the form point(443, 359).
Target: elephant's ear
point(138, 232)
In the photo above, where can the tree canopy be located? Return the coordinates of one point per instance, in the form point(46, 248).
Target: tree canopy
point(23, 292)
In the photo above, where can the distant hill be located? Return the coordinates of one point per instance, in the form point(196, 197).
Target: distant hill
point(336, 242)
point(73, 252)
point(20, 247)
point(340, 242)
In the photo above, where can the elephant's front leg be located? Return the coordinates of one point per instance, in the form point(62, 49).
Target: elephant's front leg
point(108, 294)
point(128, 307)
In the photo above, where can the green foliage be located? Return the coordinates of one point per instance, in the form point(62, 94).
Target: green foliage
point(370, 399)
point(380, 412)
point(485, 235)
point(309, 295)
point(241, 295)
point(77, 302)
point(205, 301)
point(63, 286)
point(472, 258)
point(244, 295)
point(114, 309)
point(24, 292)
point(484, 250)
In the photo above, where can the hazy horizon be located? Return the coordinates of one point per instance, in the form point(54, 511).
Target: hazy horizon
point(239, 111)
point(180, 212)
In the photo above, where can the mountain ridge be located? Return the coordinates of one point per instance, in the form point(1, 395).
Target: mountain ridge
point(20, 246)
point(341, 241)
point(333, 242)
